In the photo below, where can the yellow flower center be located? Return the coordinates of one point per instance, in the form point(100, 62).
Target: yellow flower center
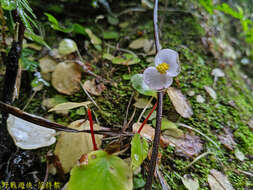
point(163, 67)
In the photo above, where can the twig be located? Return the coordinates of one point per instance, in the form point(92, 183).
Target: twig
point(161, 179)
point(191, 128)
point(127, 110)
point(130, 120)
point(121, 49)
point(136, 9)
point(46, 176)
point(199, 157)
point(29, 101)
point(52, 125)
point(88, 71)
point(89, 96)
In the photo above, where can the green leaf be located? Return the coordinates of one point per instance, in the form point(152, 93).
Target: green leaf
point(112, 20)
point(108, 56)
point(67, 46)
point(139, 150)
point(139, 85)
point(208, 5)
point(169, 128)
point(55, 24)
point(26, 60)
point(36, 38)
point(8, 4)
point(126, 59)
point(93, 38)
point(79, 29)
point(224, 7)
point(103, 171)
point(110, 35)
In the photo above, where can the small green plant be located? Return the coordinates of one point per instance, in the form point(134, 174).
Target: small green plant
point(247, 24)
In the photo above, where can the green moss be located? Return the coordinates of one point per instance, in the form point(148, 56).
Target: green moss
point(245, 136)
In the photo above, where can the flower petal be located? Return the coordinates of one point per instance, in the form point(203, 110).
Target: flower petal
point(156, 80)
point(170, 57)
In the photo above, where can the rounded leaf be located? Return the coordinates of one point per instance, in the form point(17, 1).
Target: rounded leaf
point(103, 171)
point(67, 46)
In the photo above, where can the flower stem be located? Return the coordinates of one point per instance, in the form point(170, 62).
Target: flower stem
point(145, 121)
point(92, 131)
point(156, 141)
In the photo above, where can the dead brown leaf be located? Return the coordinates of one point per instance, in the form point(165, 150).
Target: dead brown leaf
point(227, 139)
point(180, 102)
point(188, 146)
point(47, 64)
point(66, 78)
point(92, 87)
point(148, 132)
point(71, 146)
point(218, 181)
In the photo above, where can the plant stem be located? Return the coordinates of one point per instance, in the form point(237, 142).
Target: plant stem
point(145, 121)
point(156, 141)
point(92, 131)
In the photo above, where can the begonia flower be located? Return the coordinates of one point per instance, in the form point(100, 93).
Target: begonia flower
point(166, 67)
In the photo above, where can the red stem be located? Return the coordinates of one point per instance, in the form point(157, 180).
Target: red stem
point(91, 130)
point(145, 121)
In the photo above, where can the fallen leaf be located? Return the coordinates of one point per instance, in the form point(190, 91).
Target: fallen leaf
point(227, 139)
point(147, 131)
point(76, 144)
point(218, 181)
point(27, 135)
point(188, 146)
point(47, 64)
point(239, 155)
point(180, 102)
point(189, 183)
point(217, 73)
point(69, 105)
point(211, 92)
point(162, 180)
point(149, 47)
point(103, 171)
point(138, 43)
point(93, 88)
point(51, 102)
point(66, 78)
point(142, 103)
point(67, 46)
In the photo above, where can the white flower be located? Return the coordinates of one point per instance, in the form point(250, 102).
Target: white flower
point(167, 66)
